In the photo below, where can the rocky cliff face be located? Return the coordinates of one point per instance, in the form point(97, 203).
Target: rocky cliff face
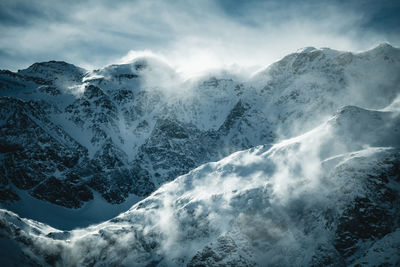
point(127, 129)
point(329, 197)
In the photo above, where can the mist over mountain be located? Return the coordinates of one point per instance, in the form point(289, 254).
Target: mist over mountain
point(134, 165)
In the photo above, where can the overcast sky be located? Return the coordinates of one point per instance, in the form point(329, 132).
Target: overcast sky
point(189, 35)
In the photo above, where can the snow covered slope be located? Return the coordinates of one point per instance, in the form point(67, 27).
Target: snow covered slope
point(329, 197)
point(67, 134)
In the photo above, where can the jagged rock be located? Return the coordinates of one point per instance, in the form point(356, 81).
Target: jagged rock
point(329, 197)
point(117, 131)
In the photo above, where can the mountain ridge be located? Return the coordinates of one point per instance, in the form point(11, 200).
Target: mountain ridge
point(136, 135)
point(299, 202)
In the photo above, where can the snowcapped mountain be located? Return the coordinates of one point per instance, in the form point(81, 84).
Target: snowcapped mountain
point(329, 197)
point(72, 140)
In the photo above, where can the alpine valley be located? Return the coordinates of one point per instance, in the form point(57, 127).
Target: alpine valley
point(132, 165)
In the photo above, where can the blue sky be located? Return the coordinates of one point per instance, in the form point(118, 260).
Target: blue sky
point(190, 35)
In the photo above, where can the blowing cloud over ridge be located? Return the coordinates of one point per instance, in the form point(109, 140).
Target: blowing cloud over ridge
point(193, 35)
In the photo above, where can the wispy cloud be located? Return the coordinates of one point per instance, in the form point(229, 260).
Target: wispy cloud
point(192, 35)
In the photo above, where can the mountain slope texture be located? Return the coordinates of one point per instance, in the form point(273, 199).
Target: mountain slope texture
point(298, 165)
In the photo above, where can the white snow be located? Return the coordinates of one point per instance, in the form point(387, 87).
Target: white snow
point(270, 200)
point(263, 199)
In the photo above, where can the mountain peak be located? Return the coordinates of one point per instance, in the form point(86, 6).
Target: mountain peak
point(138, 67)
point(52, 69)
point(383, 49)
point(384, 45)
point(306, 49)
point(50, 65)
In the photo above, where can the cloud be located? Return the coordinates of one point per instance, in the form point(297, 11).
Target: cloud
point(192, 35)
point(133, 55)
